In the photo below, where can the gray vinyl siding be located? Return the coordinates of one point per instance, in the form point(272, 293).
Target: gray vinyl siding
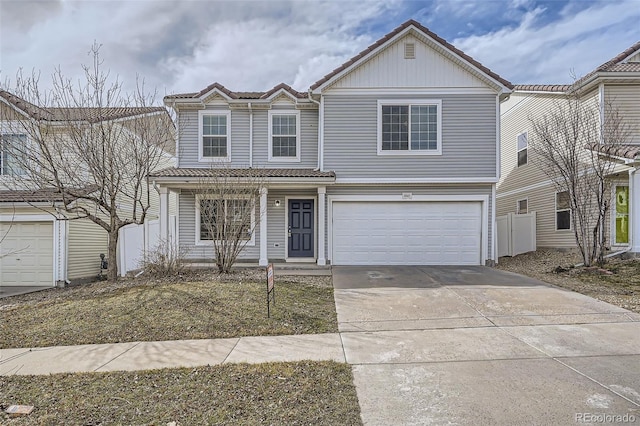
point(450, 189)
point(240, 124)
point(187, 232)
point(468, 139)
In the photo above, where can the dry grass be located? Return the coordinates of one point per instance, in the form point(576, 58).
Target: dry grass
point(618, 282)
point(300, 393)
point(197, 307)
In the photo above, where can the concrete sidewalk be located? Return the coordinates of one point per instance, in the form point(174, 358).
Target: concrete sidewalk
point(178, 353)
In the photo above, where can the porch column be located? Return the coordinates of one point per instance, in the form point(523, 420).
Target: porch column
point(322, 191)
point(263, 261)
point(634, 209)
point(164, 213)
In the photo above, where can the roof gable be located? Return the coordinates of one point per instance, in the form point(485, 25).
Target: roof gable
point(429, 38)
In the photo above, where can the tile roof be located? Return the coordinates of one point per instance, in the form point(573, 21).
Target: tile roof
point(542, 87)
point(91, 115)
point(614, 64)
point(398, 30)
point(238, 95)
point(41, 195)
point(240, 173)
point(617, 150)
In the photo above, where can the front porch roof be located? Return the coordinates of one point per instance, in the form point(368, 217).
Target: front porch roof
point(628, 153)
point(174, 174)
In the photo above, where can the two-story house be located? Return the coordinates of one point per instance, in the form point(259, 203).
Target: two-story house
point(613, 87)
point(392, 158)
point(42, 244)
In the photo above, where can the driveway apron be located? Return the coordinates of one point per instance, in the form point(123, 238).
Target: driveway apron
point(475, 345)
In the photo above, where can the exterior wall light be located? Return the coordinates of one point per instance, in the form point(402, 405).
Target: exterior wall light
point(277, 203)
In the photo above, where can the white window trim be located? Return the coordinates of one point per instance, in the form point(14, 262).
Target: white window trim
point(14, 127)
point(409, 102)
point(555, 213)
point(273, 159)
point(201, 157)
point(525, 148)
point(518, 205)
point(199, 242)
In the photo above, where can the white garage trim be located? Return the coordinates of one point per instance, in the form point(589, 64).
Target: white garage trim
point(483, 199)
point(60, 240)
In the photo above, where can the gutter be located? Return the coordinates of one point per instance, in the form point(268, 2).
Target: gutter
point(250, 135)
point(320, 128)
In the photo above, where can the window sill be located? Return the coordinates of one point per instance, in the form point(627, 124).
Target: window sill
point(283, 159)
point(409, 153)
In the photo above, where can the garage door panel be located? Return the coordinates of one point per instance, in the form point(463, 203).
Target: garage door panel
point(404, 233)
point(28, 249)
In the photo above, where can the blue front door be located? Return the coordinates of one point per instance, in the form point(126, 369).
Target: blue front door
point(300, 228)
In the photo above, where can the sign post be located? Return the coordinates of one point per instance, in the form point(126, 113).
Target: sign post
point(271, 294)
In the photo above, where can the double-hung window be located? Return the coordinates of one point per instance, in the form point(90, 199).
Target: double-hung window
point(215, 136)
point(522, 148)
point(410, 127)
point(231, 218)
point(13, 154)
point(563, 211)
point(284, 135)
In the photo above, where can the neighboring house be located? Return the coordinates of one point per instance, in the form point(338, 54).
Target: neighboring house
point(38, 246)
point(392, 158)
point(524, 187)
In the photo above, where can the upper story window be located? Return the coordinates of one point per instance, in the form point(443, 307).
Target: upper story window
point(410, 127)
point(13, 154)
point(214, 136)
point(563, 210)
point(522, 148)
point(284, 135)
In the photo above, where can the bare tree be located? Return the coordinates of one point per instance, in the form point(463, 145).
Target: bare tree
point(228, 212)
point(94, 144)
point(567, 142)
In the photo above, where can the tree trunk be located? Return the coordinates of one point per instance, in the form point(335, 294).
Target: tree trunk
point(112, 253)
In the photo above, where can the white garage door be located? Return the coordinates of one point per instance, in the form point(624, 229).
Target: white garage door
point(406, 233)
point(27, 254)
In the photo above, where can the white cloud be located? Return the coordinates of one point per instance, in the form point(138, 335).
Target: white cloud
point(535, 53)
point(184, 46)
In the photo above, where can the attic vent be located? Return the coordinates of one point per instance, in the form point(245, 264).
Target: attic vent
point(409, 50)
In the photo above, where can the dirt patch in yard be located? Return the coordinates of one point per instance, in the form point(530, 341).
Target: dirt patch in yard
point(194, 306)
point(617, 282)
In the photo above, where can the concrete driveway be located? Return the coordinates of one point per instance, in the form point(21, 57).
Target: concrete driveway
point(478, 346)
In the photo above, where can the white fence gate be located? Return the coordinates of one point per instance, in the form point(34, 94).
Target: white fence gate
point(516, 233)
point(136, 240)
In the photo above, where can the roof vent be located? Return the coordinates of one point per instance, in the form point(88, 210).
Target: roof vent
point(409, 50)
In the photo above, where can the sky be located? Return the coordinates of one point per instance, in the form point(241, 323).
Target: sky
point(183, 46)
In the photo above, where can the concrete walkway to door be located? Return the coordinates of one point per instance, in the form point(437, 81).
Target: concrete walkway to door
point(475, 345)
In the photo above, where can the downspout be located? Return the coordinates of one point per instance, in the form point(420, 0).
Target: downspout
point(250, 135)
point(320, 128)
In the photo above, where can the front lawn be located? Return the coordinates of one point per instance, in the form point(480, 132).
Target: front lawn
point(297, 393)
point(198, 307)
